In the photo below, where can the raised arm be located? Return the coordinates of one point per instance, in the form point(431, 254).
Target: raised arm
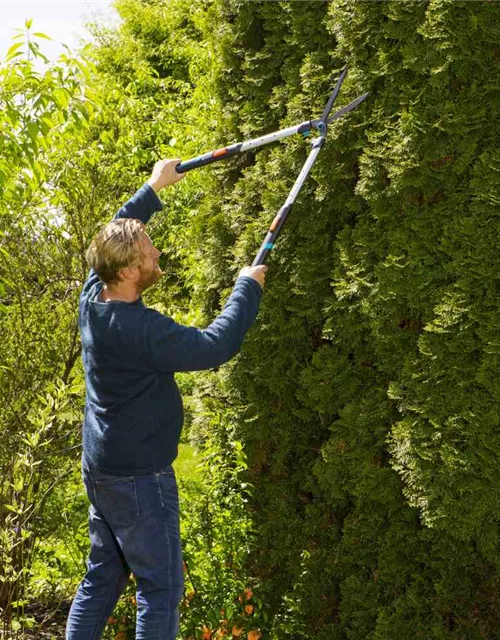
point(171, 347)
point(143, 204)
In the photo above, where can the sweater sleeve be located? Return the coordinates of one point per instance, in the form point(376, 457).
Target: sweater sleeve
point(141, 205)
point(173, 347)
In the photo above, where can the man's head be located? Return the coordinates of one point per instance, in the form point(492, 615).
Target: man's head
point(122, 252)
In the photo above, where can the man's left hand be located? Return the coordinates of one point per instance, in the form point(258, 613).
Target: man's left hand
point(164, 174)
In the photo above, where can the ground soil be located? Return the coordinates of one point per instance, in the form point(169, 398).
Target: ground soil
point(50, 625)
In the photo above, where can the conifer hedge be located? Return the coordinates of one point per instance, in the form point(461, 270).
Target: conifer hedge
point(366, 394)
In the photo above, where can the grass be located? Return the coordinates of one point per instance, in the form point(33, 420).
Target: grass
point(185, 463)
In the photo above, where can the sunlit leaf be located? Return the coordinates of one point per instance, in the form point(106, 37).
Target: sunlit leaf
point(33, 129)
point(38, 34)
point(13, 49)
point(62, 98)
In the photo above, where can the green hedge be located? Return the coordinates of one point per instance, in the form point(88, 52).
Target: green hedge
point(367, 388)
point(366, 391)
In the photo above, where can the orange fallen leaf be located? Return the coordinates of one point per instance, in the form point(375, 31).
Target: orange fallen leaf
point(207, 634)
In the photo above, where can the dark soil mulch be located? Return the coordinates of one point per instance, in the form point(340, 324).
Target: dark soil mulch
point(50, 625)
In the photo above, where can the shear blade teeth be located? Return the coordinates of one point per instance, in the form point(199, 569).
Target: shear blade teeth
point(349, 107)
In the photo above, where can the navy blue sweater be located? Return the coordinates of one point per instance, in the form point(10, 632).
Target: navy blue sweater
point(133, 410)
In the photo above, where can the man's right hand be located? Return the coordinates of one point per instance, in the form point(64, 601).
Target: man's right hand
point(257, 273)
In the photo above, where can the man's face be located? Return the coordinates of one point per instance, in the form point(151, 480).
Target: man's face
point(149, 271)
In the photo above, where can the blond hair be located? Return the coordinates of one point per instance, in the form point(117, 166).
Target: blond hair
point(116, 246)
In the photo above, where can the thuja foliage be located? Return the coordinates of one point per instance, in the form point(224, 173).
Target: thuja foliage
point(366, 391)
point(365, 394)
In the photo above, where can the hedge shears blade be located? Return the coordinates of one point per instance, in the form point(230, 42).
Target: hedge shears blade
point(349, 107)
point(304, 128)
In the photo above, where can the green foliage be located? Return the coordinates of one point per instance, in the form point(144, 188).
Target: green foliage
point(186, 463)
point(217, 534)
point(40, 112)
point(366, 395)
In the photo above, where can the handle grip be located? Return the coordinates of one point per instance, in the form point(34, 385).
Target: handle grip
point(208, 158)
point(261, 257)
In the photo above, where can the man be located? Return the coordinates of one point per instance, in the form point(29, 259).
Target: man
point(134, 416)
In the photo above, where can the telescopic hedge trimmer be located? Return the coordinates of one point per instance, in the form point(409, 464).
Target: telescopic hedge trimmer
point(304, 128)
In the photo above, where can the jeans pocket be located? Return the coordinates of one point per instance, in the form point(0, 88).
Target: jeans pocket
point(167, 490)
point(117, 499)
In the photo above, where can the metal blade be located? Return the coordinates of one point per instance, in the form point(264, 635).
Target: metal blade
point(331, 100)
point(349, 107)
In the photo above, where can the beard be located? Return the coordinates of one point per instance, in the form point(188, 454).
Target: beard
point(148, 277)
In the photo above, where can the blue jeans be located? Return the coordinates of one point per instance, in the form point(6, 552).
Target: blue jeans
point(133, 527)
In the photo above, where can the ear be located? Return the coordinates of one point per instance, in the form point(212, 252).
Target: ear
point(128, 273)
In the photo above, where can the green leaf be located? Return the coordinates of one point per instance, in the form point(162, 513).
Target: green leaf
point(28, 23)
point(15, 55)
point(45, 125)
point(33, 130)
point(10, 507)
point(29, 622)
point(13, 49)
point(61, 97)
point(38, 34)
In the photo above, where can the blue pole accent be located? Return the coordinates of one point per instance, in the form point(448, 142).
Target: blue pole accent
point(269, 245)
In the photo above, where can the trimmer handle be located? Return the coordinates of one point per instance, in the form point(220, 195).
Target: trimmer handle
point(208, 158)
